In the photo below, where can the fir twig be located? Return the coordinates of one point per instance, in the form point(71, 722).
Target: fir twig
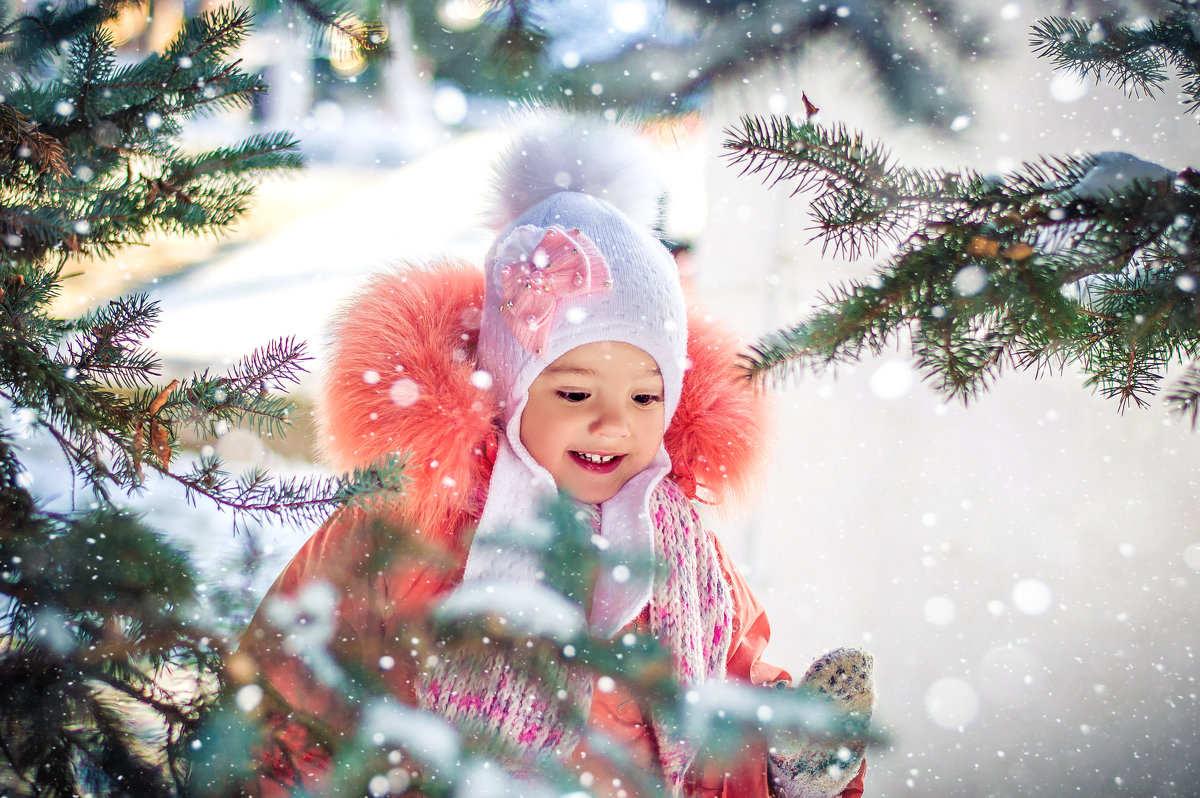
point(336, 18)
point(211, 405)
point(1027, 269)
point(257, 495)
point(1184, 397)
point(1135, 59)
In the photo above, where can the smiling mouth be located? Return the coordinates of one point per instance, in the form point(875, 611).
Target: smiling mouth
point(599, 463)
point(599, 459)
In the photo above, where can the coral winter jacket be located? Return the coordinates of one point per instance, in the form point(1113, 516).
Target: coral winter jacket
point(402, 379)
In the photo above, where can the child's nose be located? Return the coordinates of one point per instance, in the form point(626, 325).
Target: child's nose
point(611, 422)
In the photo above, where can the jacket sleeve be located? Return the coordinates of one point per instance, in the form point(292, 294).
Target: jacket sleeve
point(751, 633)
point(343, 610)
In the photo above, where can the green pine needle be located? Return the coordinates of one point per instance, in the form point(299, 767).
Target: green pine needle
point(1136, 59)
point(1184, 397)
point(984, 272)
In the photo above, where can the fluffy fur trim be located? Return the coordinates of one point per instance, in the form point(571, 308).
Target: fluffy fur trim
point(557, 153)
point(718, 440)
point(400, 380)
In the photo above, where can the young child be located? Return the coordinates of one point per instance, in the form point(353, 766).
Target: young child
point(569, 365)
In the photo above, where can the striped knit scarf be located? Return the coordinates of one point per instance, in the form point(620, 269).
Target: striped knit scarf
point(522, 708)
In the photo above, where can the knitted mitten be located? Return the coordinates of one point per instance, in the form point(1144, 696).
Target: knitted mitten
point(823, 769)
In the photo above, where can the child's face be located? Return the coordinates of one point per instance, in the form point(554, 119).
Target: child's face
point(595, 418)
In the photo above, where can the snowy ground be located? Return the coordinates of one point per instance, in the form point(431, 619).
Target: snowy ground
point(1025, 570)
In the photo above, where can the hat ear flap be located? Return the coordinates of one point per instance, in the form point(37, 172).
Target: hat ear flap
point(401, 378)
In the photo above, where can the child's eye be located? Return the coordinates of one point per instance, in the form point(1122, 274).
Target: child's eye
point(572, 396)
point(646, 399)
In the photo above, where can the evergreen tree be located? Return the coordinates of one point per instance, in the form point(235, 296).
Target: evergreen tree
point(1088, 260)
point(105, 670)
point(686, 47)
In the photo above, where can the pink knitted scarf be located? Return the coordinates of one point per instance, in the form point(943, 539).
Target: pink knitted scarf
point(506, 698)
point(691, 610)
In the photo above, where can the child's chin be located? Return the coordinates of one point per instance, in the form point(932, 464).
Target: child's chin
point(593, 495)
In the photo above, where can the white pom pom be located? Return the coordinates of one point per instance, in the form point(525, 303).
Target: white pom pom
point(557, 153)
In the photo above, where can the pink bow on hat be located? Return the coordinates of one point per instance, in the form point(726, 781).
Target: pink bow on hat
point(535, 276)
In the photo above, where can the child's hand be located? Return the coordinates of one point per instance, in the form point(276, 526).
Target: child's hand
point(820, 769)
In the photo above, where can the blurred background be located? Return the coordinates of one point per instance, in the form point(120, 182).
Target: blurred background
point(1025, 569)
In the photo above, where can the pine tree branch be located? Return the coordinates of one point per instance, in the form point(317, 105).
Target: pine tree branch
point(110, 754)
point(100, 212)
point(31, 41)
point(210, 36)
point(727, 46)
point(211, 404)
point(986, 272)
point(522, 40)
point(170, 712)
point(1134, 59)
point(257, 495)
point(81, 452)
point(46, 155)
point(1121, 56)
point(106, 346)
point(103, 435)
point(206, 191)
point(1184, 397)
point(337, 17)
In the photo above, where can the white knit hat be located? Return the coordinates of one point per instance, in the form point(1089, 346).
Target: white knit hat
point(571, 267)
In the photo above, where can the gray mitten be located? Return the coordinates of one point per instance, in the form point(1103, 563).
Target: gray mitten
point(822, 769)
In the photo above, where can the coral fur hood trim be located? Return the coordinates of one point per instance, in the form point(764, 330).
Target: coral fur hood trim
point(401, 377)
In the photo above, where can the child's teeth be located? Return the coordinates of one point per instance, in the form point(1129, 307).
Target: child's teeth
point(597, 458)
